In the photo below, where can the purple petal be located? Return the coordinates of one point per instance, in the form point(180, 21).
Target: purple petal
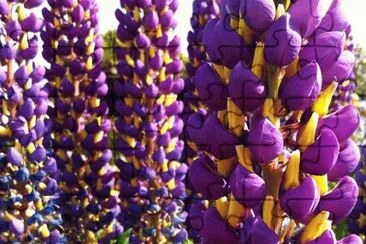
point(328, 237)
point(14, 157)
point(351, 239)
point(246, 90)
point(341, 200)
point(306, 15)
point(300, 90)
point(265, 140)
point(211, 89)
point(301, 201)
point(216, 230)
point(347, 161)
point(248, 188)
point(335, 20)
point(282, 42)
point(340, 70)
point(347, 115)
point(325, 49)
point(258, 14)
point(205, 181)
point(321, 156)
point(220, 144)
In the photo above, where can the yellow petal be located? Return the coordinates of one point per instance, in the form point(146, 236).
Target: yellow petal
point(291, 177)
point(130, 61)
point(235, 213)
point(43, 230)
point(245, 31)
point(244, 157)
point(24, 42)
point(222, 206)
point(4, 131)
point(87, 14)
point(136, 14)
point(39, 205)
point(162, 76)
point(225, 166)
point(21, 12)
point(166, 57)
point(170, 99)
point(167, 125)
point(268, 206)
point(292, 68)
point(322, 183)
point(32, 122)
point(235, 117)
point(307, 136)
point(234, 23)
point(258, 60)
point(31, 148)
point(89, 63)
point(171, 184)
point(159, 32)
point(321, 105)
point(91, 48)
point(280, 10)
point(269, 111)
point(315, 227)
point(275, 75)
point(222, 115)
point(99, 136)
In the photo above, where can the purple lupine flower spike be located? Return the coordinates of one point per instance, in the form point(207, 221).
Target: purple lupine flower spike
point(269, 83)
point(80, 124)
point(29, 211)
point(148, 124)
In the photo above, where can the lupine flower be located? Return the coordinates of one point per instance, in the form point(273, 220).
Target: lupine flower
point(148, 125)
point(73, 48)
point(275, 138)
point(29, 204)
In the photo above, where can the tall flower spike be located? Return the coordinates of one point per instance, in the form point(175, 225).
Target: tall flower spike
point(29, 205)
point(202, 12)
point(271, 113)
point(148, 124)
point(74, 50)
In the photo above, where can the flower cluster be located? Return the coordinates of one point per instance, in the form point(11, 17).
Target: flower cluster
point(202, 12)
point(270, 143)
point(148, 125)
point(29, 208)
point(77, 85)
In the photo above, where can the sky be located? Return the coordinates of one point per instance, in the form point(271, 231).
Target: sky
point(355, 9)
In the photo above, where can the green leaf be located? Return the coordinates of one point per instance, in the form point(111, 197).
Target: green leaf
point(124, 238)
point(341, 230)
point(188, 241)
